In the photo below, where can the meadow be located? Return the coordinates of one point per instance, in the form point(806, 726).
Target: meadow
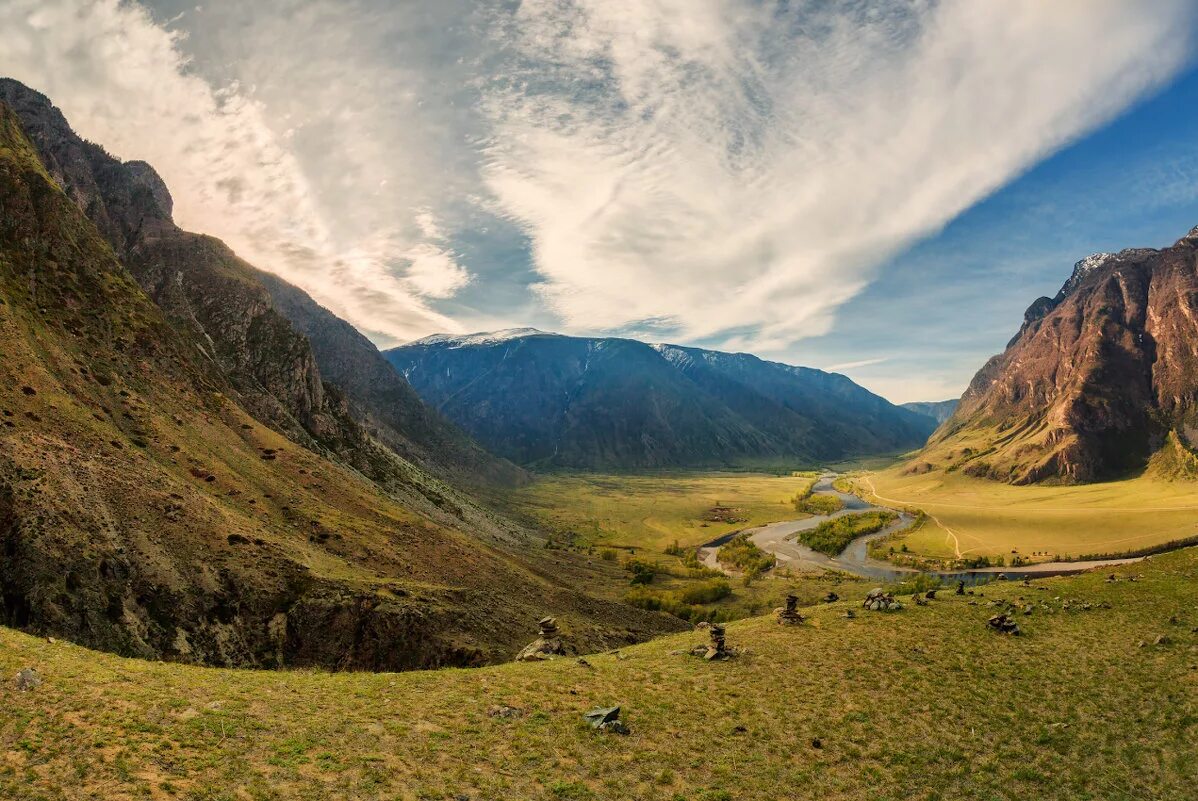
point(653, 524)
point(925, 703)
point(976, 517)
point(653, 511)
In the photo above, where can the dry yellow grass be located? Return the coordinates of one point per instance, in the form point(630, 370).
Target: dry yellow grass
point(976, 517)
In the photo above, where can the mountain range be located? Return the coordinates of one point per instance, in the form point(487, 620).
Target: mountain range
point(549, 400)
point(1100, 382)
point(937, 410)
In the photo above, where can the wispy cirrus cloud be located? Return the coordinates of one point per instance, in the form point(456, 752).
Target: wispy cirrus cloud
point(721, 171)
point(737, 170)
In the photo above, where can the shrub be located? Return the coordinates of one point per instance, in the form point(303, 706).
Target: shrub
point(608, 555)
point(833, 536)
point(742, 553)
point(642, 571)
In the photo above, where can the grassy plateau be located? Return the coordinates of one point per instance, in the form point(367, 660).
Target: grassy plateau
point(976, 517)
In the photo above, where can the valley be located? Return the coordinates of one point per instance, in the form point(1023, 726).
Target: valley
point(275, 525)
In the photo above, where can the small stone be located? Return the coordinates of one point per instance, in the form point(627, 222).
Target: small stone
point(831, 597)
point(614, 727)
point(817, 743)
point(1162, 639)
point(597, 717)
point(583, 662)
point(27, 679)
point(505, 712)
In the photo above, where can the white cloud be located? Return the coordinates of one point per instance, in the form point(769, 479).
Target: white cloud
point(228, 159)
point(730, 171)
point(856, 365)
point(738, 169)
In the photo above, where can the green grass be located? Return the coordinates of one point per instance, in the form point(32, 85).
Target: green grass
point(926, 703)
point(819, 504)
point(654, 511)
point(833, 536)
point(975, 517)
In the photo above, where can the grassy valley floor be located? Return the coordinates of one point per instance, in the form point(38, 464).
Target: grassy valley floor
point(976, 517)
point(925, 703)
point(636, 520)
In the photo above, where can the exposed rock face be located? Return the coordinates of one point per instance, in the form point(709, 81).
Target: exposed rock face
point(619, 403)
point(1100, 379)
point(239, 315)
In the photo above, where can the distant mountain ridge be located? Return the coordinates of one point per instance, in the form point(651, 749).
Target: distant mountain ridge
point(610, 403)
point(937, 410)
point(1101, 380)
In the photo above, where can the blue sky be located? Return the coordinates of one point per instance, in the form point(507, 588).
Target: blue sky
point(875, 187)
point(944, 306)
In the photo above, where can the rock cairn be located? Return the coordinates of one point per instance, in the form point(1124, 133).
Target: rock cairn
point(789, 615)
point(1003, 624)
point(960, 588)
point(717, 648)
point(878, 600)
point(546, 646)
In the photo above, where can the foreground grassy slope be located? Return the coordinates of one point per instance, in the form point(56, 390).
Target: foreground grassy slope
point(978, 517)
point(925, 703)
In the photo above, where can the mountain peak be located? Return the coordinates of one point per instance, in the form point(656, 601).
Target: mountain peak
point(480, 337)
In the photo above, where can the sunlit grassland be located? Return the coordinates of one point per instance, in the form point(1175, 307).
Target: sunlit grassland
point(923, 703)
point(986, 518)
point(654, 511)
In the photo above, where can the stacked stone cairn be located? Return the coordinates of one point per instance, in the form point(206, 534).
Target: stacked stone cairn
point(547, 646)
point(878, 600)
point(718, 648)
point(789, 615)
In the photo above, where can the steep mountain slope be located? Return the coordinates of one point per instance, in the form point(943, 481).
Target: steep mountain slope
point(144, 511)
point(937, 410)
point(617, 403)
point(1100, 381)
point(241, 318)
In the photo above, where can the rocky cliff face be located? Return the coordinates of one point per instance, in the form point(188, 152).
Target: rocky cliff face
point(1097, 381)
point(617, 403)
point(144, 511)
point(226, 306)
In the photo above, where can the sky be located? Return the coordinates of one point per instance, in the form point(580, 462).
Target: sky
point(878, 188)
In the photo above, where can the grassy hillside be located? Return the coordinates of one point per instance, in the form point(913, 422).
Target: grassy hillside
point(978, 517)
point(143, 511)
point(925, 703)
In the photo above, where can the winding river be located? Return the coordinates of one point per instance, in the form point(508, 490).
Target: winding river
point(779, 539)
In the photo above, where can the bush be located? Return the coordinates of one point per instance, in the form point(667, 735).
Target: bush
point(742, 553)
point(676, 550)
point(642, 571)
point(608, 555)
point(706, 592)
point(833, 536)
point(676, 603)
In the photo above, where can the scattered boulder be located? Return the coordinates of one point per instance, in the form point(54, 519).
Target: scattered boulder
point(505, 712)
point(831, 597)
point(607, 719)
point(28, 679)
point(1003, 624)
point(919, 600)
point(547, 646)
point(1162, 639)
point(878, 600)
point(849, 614)
point(930, 595)
point(789, 615)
